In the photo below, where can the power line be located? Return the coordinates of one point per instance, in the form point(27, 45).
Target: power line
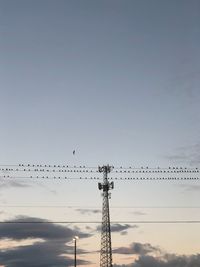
point(159, 171)
point(98, 207)
point(85, 170)
point(98, 178)
point(47, 166)
point(116, 169)
point(99, 222)
point(156, 168)
point(48, 170)
point(49, 177)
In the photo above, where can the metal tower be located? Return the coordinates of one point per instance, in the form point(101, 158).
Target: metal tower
point(106, 248)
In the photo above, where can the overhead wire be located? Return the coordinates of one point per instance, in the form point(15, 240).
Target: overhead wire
point(156, 168)
point(68, 166)
point(47, 170)
point(99, 222)
point(99, 207)
point(98, 178)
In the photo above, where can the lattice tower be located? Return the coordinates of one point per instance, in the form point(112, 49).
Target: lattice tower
point(106, 246)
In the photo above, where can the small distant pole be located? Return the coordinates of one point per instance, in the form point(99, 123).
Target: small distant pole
point(75, 239)
point(106, 246)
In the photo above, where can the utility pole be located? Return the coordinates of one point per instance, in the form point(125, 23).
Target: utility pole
point(106, 246)
point(75, 239)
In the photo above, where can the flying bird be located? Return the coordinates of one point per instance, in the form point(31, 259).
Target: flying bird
point(73, 152)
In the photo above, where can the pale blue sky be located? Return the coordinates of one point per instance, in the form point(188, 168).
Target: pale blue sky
point(116, 80)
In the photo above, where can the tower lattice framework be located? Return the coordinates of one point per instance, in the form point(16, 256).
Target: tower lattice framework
point(106, 245)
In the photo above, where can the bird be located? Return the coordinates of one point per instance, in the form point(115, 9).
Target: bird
point(73, 152)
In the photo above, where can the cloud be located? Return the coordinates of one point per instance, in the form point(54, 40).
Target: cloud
point(2, 212)
point(138, 213)
point(10, 183)
point(121, 228)
point(190, 187)
point(50, 251)
point(186, 84)
point(6, 183)
point(89, 211)
point(33, 229)
point(186, 155)
point(117, 227)
point(124, 233)
point(40, 254)
point(137, 248)
point(150, 256)
point(170, 261)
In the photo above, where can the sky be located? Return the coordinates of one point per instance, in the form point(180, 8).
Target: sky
point(118, 82)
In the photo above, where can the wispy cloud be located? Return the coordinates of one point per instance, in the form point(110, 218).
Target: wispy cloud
point(89, 211)
point(138, 213)
point(119, 228)
point(168, 260)
point(148, 256)
point(189, 155)
point(137, 248)
point(50, 252)
point(186, 84)
point(11, 183)
point(190, 187)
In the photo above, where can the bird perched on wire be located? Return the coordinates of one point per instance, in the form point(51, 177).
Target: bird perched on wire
point(74, 152)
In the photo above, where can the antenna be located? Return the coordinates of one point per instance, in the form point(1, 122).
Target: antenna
point(106, 246)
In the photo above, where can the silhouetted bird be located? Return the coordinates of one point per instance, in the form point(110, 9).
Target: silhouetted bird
point(73, 152)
